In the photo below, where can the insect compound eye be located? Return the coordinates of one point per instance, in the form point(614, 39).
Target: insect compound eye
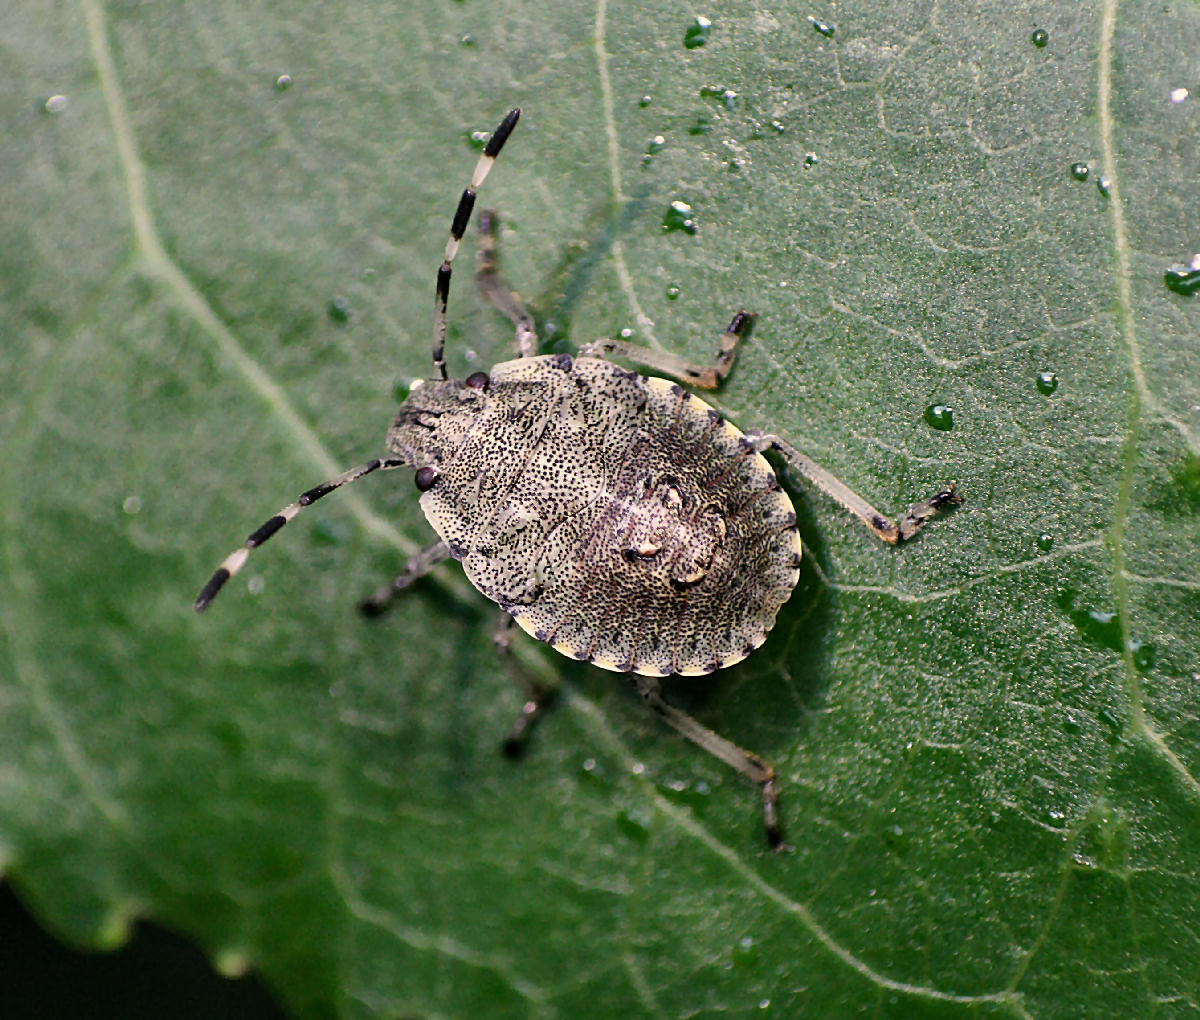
point(478, 381)
point(425, 478)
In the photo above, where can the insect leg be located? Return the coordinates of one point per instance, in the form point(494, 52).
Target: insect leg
point(237, 559)
point(887, 529)
point(457, 228)
point(749, 765)
point(497, 291)
point(705, 376)
point(417, 567)
point(539, 696)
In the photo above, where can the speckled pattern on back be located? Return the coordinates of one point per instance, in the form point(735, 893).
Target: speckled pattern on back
point(617, 517)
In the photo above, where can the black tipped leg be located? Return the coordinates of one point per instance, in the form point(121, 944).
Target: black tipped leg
point(921, 513)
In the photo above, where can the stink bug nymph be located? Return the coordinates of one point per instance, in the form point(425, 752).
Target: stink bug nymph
point(615, 516)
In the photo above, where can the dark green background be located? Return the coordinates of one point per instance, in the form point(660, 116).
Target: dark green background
point(989, 750)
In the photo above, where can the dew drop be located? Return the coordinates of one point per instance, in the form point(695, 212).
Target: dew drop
point(778, 127)
point(1182, 279)
point(1045, 541)
point(1040, 37)
point(679, 217)
point(694, 795)
point(634, 823)
point(645, 101)
point(940, 417)
point(283, 83)
point(55, 104)
point(727, 97)
point(1070, 724)
point(593, 773)
point(1179, 95)
point(1047, 383)
point(673, 292)
point(132, 505)
point(810, 160)
point(821, 27)
point(697, 33)
point(256, 585)
point(1143, 655)
point(339, 310)
point(1104, 185)
point(654, 147)
point(1096, 626)
point(479, 139)
point(701, 127)
point(745, 952)
point(1080, 171)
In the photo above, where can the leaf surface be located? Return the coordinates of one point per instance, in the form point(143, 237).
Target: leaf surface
point(988, 740)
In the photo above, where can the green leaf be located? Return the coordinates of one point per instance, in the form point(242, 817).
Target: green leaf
point(988, 744)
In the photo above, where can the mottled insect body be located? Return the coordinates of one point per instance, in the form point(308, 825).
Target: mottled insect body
point(616, 516)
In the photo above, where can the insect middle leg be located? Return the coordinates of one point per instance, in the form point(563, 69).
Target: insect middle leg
point(707, 377)
point(499, 293)
point(892, 532)
point(538, 697)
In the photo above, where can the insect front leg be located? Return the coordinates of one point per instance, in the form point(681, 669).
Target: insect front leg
point(416, 568)
point(706, 377)
point(500, 294)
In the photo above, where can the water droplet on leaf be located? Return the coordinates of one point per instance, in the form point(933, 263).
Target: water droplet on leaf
point(697, 33)
point(283, 83)
point(1040, 37)
point(1182, 280)
point(822, 27)
point(339, 310)
point(1045, 541)
point(745, 952)
point(673, 291)
point(634, 823)
point(679, 217)
point(940, 417)
point(1047, 383)
point(1080, 171)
